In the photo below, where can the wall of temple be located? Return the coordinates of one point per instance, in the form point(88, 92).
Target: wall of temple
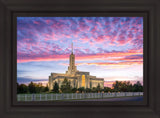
point(77, 82)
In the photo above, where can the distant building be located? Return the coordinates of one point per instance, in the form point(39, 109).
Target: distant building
point(77, 78)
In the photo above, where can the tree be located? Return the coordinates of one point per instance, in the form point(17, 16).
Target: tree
point(74, 90)
point(18, 91)
point(88, 90)
point(55, 87)
point(107, 89)
point(32, 87)
point(46, 88)
point(137, 87)
point(98, 88)
point(39, 88)
point(129, 86)
point(81, 89)
point(125, 86)
point(90, 84)
point(94, 89)
point(66, 86)
point(116, 86)
point(22, 88)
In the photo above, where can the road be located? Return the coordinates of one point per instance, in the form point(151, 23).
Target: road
point(138, 98)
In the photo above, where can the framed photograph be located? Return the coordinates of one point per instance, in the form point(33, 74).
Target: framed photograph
point(79, 59)
point(102, 56)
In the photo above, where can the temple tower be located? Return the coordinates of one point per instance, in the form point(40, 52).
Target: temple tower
point(72, 68)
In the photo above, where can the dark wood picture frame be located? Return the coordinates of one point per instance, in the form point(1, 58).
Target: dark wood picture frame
point(148, 108)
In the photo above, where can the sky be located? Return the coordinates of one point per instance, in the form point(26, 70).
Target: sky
point(107, 47)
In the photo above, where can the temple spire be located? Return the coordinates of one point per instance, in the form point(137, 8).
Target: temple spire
point(71, 68)
point(72, 47)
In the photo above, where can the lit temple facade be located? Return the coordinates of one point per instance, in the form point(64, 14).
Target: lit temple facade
point(77, 78)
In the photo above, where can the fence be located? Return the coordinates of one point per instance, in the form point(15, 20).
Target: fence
point(73, 96)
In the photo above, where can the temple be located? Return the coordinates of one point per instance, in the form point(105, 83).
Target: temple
point(77, 78)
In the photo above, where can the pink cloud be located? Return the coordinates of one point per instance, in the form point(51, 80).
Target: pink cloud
point(48, 21)
point(84, 40)
point(36, 22)
point(100, 39)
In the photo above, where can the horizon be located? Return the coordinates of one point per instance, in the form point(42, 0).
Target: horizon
point(107, 47)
